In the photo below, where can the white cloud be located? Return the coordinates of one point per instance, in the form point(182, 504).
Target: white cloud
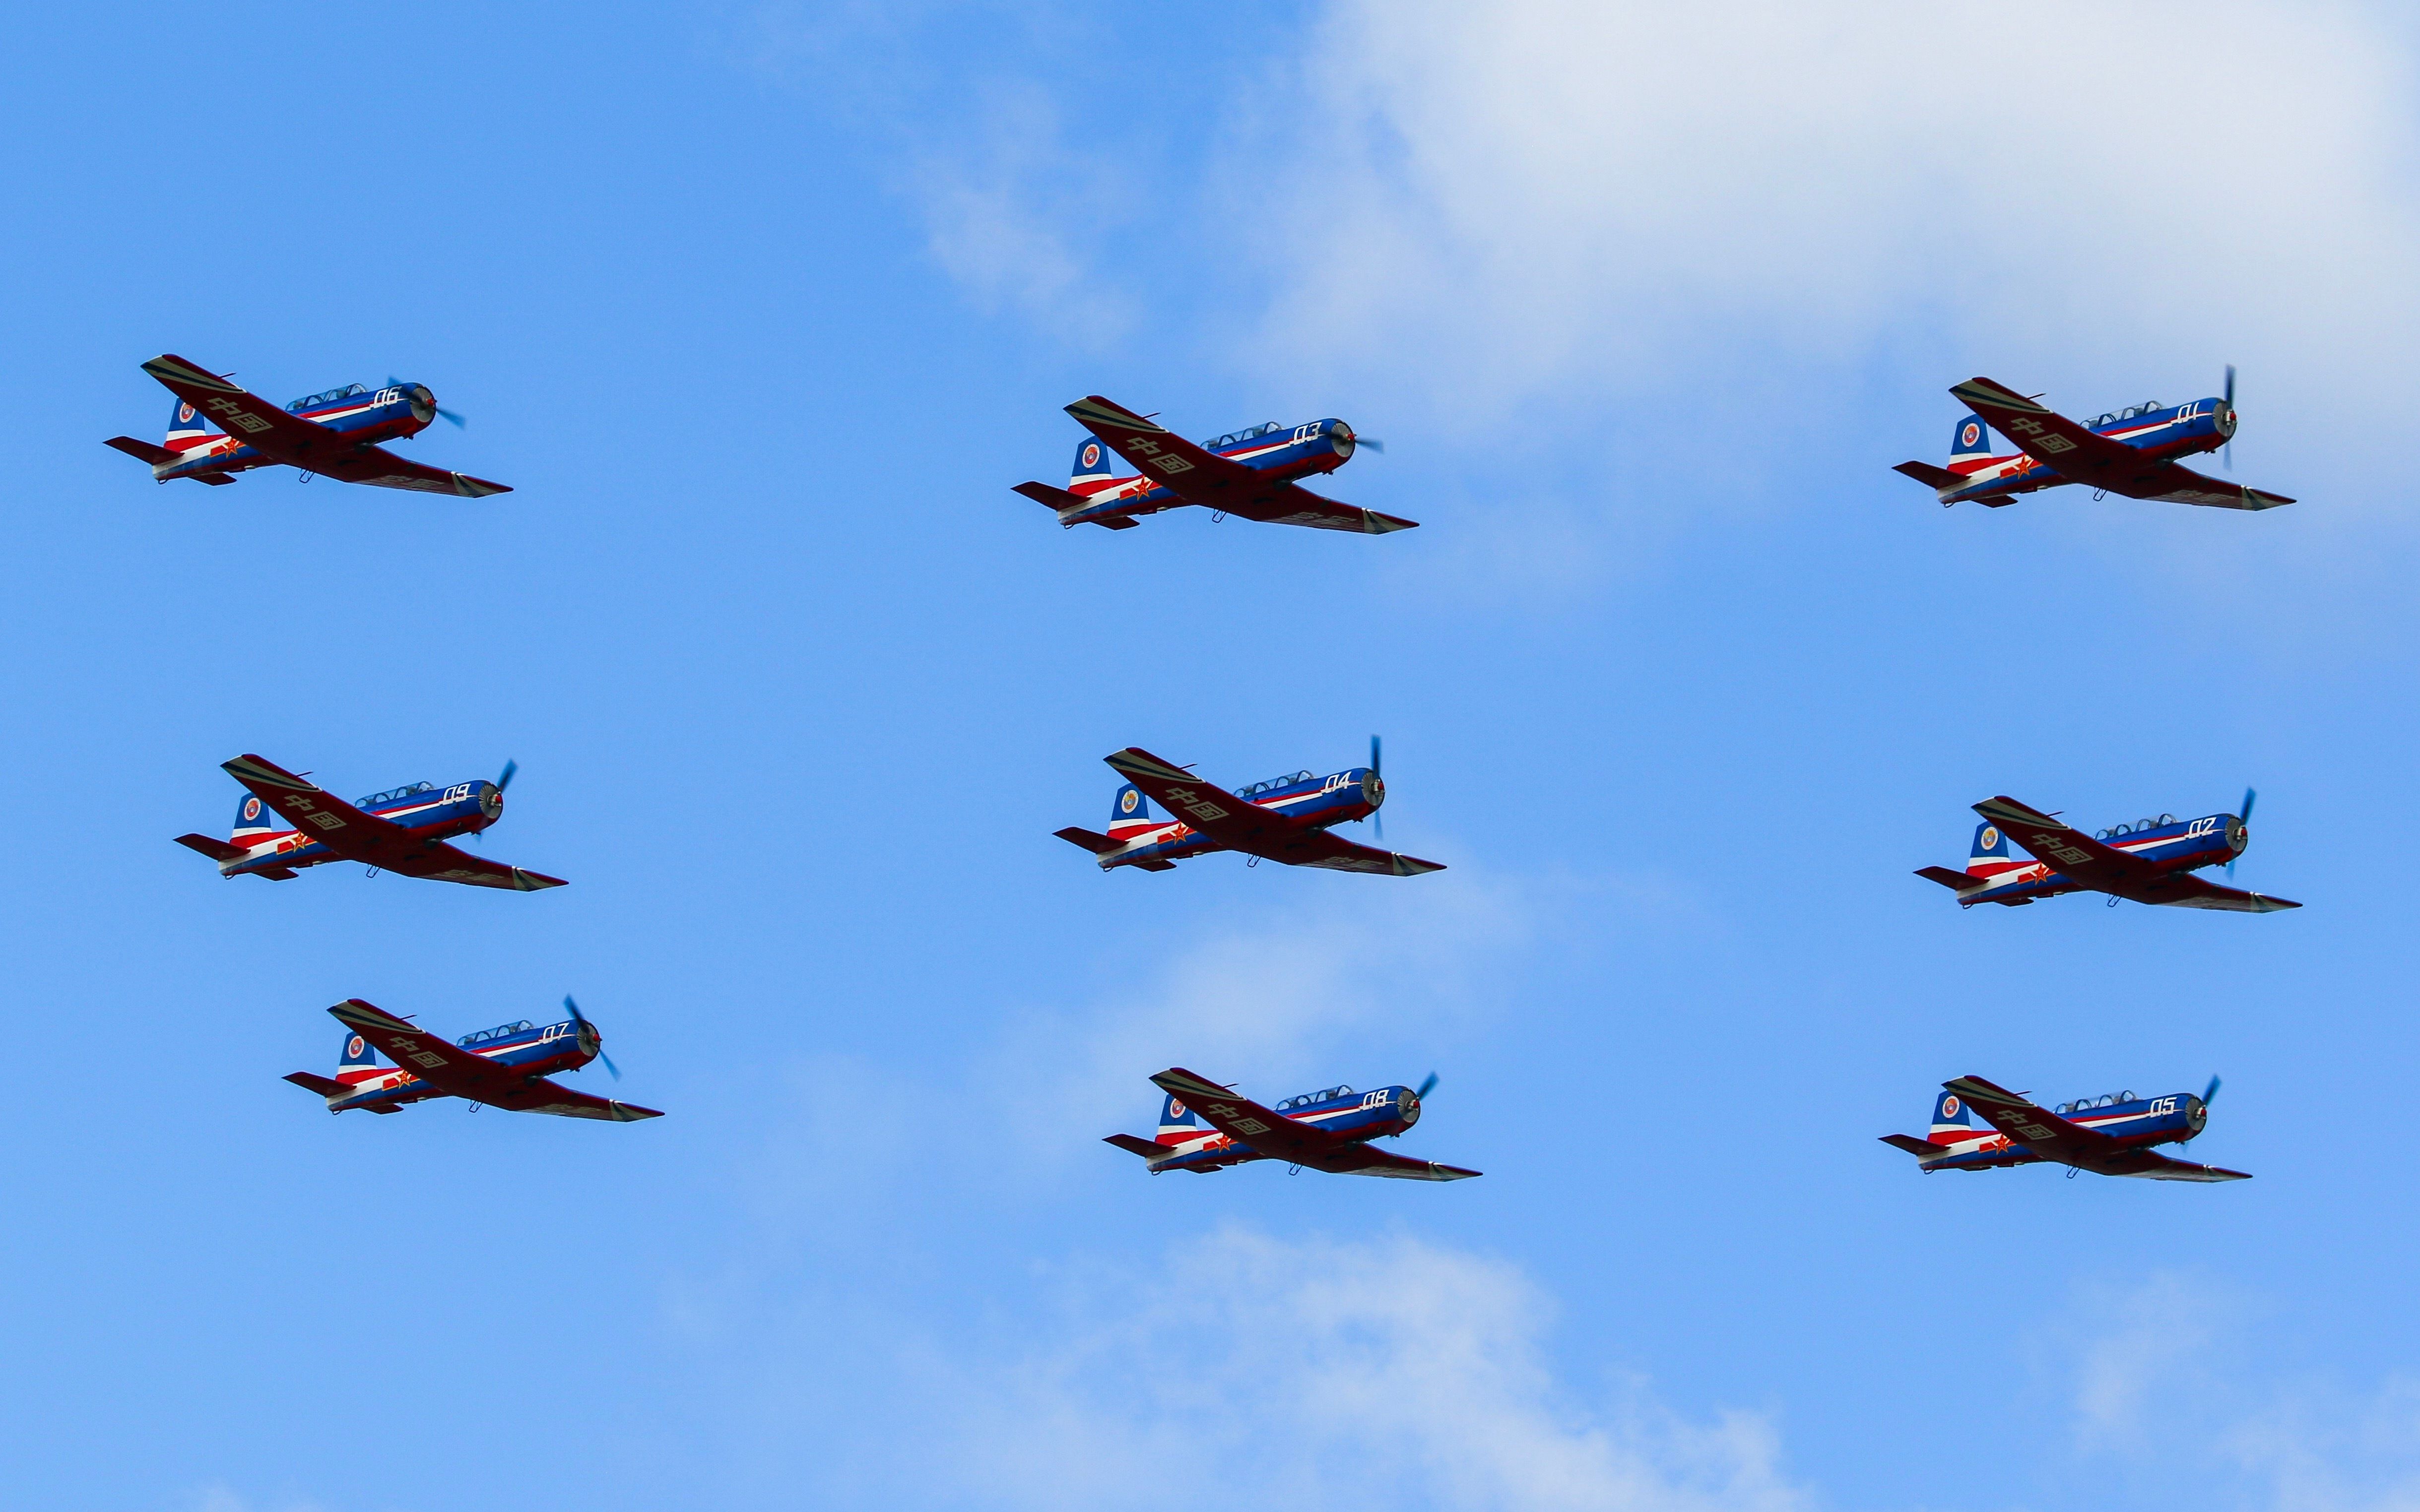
point(1382, 1371)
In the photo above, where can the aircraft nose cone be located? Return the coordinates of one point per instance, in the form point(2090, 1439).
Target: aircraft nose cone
point(491, 799)
point(1408, 1108)
point(1342, 438)
point(2226, 421)
point(2239, 835)
point(423, 404)
point(2199, 1114)
point(1373, 790)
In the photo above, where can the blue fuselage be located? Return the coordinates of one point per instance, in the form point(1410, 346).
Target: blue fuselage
point(2185, 846)
point(1287, 455)
point(1316, 802)
point(438, 813)
point(534, 1052)
point(369, 418)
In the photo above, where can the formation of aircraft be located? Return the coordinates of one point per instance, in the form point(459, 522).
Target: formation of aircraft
point(2132, 451)
point(2110, 1135)
point(285, 823)
point(218, 430)
point(1286, 819)
point(1206, 1127)
point(2151, 862)
point(1251, 472)
point(506, 1067)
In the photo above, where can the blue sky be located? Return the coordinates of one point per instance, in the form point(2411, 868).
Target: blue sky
point(762, 308)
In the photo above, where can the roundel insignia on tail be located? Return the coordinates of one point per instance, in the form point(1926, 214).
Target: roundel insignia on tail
point(1175, 1109)
point(1091, 454)
point(1970, 435)
point(1990, 836)
point(353, 1048)
point(184, 415)
point(252, 808)
point(1949, 1107)
point(1127, 801)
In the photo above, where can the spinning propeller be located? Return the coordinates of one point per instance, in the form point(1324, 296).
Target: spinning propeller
point(2245, 816)
point(2210, 1091)
point(423, 404)
point(1430, 1086)
point(1371, 441)
point(1377, 816)
point(504, 781)
point(2227, 458)
point(588, 1036)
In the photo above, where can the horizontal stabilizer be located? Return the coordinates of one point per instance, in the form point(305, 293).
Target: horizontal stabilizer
point(1921, 1149)
point(1956, 881)
point(324, 1086)
point(141, 451)
point(1925, 472)
point(1043, 494)
point(1113, 522)
point(1098, 844)
point(217, 850)
point(1134, 1146)
point(275, 874)
point(1154, 864)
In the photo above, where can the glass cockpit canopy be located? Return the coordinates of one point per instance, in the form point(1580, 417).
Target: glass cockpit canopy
point(1272, 784)
point(2136, 828)
point(2085, 1104)
point(316, 400)
point(499, 1032)
point(1237, 437)
point(2131, 411)
point(1307, 1099)
point(391, 794)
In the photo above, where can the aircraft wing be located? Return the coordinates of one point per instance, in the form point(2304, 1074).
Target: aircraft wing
point(2152, 1166)
point(1201, 476)
point(538, 1095)
point(2080, 858)
point(1240, 824)
point(2081, 454)
point(367, 838)
point(381, 469)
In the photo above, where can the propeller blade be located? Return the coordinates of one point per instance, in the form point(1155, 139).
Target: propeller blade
point(582, 1019)
point(448, 414)
point(1376, 770)
point(2227, 458)
point(2245, 815)
point(2230, 385)
point(1378, 818)
point(1371, 441)
point(1430, 1086)
point(2210, 1091)
point(505, 779)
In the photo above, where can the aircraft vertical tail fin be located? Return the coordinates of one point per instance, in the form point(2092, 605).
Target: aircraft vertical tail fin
point(187, 429)
point(1970, 440)
point(1951, 1118)
point(1991, 854)
point(357, 1062)
point(1093, 467)
point(253, 819)
point(1129, 813)
point(1179, 1124)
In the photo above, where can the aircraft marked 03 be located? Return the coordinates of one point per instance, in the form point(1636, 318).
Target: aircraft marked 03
point(1205, 1127)
point(1285, 818)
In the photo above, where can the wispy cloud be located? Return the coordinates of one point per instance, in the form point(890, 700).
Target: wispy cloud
point(1383, 1371)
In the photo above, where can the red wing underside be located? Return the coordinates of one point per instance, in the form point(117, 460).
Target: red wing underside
point(1239, 824)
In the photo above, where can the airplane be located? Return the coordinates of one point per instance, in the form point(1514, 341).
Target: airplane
point(334, 434)
point(1250, 472)
point(403, 830)
point(2131, 451)
point(1205, 1127)
point(2149, 862)
point(1285, 818)
point(506, 1067)
point(2110, 1135)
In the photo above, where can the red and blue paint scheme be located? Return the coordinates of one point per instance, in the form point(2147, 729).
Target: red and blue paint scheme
point(217, 430)
point(2149, 862)
point(506, 1067)
point(2110, 1135)
point(1205, 1127)
point(1285, 818)
point(2131, 451)
point(1251, 472)
point(285, 822)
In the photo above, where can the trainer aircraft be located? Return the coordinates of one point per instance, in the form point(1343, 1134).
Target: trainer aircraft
point(506, 1067)
point(285, 823)
point(2110, 1135)
point(2149, 862)
point(1205, 1127)
point(217, 430)
point(1285, 818)
point(2132, 451)
point(1251, 472)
